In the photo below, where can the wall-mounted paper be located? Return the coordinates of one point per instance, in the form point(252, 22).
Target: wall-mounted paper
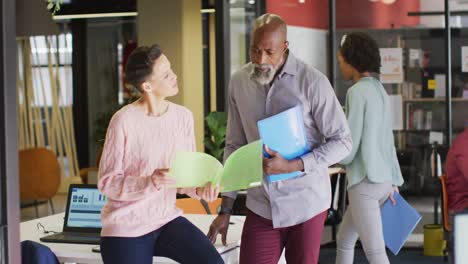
point(396, 104)
point(440, 82)
point(465, 94)
point(414, 57)
point(391, 70)
point(436, 137)
point(464, 59)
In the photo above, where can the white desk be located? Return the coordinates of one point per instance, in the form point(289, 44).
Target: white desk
point(77, 253)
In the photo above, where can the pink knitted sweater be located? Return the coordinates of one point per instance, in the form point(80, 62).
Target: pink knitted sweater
point(137, 144)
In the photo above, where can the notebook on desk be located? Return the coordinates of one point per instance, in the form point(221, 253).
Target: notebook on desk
point(82, 222)
point(398, 222)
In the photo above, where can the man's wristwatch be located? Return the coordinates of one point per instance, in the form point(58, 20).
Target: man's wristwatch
point(225, 210)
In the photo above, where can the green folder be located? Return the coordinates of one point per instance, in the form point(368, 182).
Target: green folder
point(243, 169)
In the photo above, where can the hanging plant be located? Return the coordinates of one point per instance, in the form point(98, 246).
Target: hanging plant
point(54, 5)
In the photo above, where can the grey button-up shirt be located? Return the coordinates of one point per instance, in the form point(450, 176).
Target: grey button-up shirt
point(296, 200)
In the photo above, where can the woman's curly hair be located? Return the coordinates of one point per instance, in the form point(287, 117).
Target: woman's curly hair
point(361, 51)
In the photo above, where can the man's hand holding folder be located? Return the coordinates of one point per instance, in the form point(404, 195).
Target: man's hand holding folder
point(276, 164)
point(285, 134)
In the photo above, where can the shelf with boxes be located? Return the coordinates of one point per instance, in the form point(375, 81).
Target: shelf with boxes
point(413, 72)
point(430, 114)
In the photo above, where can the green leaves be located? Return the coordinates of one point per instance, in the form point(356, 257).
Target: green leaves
point(216, 123)
point(54, 5)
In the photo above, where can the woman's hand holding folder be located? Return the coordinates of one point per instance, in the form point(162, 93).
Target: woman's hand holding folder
point(160, 178)
point(395, 189)
point(209, 192)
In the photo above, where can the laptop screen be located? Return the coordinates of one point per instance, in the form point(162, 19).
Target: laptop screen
point(461, 237)
point(85, 207)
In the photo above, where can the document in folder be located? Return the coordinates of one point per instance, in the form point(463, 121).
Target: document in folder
point(284, 133)
point(398, 222)
point(243, 169)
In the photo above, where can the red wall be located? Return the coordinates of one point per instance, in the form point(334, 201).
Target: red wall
point(311, 14)
point(366, 14)
point(349, 13)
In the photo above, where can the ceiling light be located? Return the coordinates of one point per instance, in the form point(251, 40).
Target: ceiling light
point(207, 10)
point(97, 15)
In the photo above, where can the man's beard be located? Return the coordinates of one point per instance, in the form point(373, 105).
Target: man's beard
point(263, 77)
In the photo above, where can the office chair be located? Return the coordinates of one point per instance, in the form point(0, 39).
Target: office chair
point(338, 205)
point(445, 215)
point(194, 206)
point(36, 253)
point(444, 202)
point(39, 173)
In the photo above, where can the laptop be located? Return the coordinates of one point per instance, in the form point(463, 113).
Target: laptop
point(460, 229)
point(82, 222)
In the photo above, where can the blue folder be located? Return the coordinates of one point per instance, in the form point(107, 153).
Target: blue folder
point(398, 222)
point(284, 133)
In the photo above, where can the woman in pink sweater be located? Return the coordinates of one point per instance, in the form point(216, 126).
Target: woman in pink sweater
point(140, 219)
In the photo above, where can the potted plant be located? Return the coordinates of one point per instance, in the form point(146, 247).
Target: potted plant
point(216, 123)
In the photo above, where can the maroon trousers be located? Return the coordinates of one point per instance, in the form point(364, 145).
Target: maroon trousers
point(262, 244)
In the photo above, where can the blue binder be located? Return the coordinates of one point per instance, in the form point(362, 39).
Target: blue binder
point(398, 222)
point(284, 133)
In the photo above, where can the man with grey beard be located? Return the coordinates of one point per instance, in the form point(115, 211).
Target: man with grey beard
point(286, 214)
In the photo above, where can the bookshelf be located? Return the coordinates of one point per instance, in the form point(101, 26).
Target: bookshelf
point(416, 100)
point(429, 114)
point(423, 108)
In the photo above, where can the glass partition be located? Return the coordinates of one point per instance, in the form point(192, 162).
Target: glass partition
point(242, 15)
point(413, 72)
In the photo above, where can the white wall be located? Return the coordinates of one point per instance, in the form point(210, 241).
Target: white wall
point(310, 45)
point(439, 21)
point(177, 26)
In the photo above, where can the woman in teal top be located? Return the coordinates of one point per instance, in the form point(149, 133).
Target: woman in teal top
point(372, 166)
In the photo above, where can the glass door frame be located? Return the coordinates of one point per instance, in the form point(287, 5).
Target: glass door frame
point(223, 48)
point(9, 177)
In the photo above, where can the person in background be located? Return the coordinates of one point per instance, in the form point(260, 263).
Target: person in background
point(456, 168)
point(427, 75)
point(140, 219)
point(372, 167)
point(288, 214)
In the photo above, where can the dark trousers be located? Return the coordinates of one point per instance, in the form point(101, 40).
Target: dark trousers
point(262, 244)
point(179, 240)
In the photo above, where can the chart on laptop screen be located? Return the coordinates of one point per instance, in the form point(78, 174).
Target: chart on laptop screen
point(85, 208)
